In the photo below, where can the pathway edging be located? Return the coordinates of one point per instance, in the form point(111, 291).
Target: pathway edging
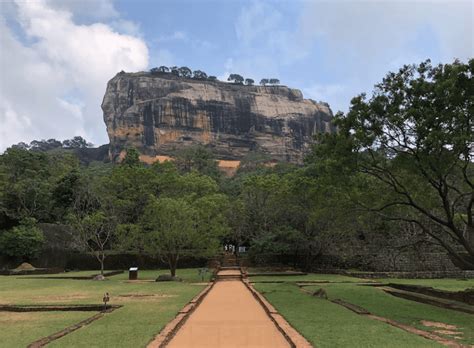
point(294, 338)
point(170, 330)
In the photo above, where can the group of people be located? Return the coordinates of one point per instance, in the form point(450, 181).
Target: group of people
point(230, 248)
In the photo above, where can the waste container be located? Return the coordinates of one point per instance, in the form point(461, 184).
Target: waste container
point(133, 273)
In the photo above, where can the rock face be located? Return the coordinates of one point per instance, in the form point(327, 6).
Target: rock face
point(161, 113)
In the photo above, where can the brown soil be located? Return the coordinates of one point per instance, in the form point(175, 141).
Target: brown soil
point(14, 317)
point(58, 298)
point(425, 334)
point(428, 323)
point(448, 332)
point(229, 316)
point(141, 297)
point(25, 266)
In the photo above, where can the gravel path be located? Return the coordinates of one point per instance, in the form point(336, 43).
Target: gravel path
point(229, 316)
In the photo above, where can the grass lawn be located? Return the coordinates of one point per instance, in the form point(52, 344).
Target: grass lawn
point(133, 325)
point(20, 329)
point(408, 312)
point(326, 324)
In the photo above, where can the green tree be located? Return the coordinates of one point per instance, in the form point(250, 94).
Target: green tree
point(185, 72)
point(264, 82)
point(197, 158)
point(24, 241)
point(249, 82)
point(63, 192)
point(93, 218)
point(127, 189)
point(274, 81)
point(171, 228)
point(414, 137)
point(200, 75)
point(236, 78)
point(174, 70)
point(27, 181)
point(77, 142)
point(95, 232)
point(132, 158)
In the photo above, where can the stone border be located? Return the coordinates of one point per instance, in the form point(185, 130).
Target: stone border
point(294, 338)
point(106, 274)
point(433, 301)
point(170, 330)
point(12, 272)
point(408, 275)
point(48, 339)
point(57, 308)
point(275, 274)
point(466, 296)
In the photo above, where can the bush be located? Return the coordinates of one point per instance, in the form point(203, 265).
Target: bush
point(24, 241)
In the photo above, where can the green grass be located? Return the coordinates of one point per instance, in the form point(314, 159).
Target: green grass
point(133, 325)
point(326, 324)
point(20, 329)
point(442, 284)
point(315, 317)
point(376, 301)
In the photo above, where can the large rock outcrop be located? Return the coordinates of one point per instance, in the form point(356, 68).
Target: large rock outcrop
point(161, 113)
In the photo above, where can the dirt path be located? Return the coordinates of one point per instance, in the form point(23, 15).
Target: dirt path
point(229, 316)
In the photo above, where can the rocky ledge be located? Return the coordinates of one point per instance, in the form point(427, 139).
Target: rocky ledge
point(161, 113)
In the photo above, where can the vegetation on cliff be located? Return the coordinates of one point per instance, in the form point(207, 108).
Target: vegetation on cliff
point(187, 73)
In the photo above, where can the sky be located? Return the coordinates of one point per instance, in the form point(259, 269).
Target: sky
point(56, 56)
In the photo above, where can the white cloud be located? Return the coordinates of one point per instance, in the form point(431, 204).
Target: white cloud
point(54, 86)
point(126, 27)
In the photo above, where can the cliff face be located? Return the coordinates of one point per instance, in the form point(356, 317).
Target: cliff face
point(158, 114)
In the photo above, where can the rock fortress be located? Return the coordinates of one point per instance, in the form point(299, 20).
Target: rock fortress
point(159, 113)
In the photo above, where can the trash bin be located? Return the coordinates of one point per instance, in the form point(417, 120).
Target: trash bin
point(133, 273)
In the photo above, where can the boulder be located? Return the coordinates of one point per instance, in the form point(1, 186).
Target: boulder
point(167, 278)
point(99, 277)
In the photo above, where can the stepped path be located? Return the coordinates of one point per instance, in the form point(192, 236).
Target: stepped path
point(229, 316)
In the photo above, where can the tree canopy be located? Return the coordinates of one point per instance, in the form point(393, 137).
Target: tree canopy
point(414, 137)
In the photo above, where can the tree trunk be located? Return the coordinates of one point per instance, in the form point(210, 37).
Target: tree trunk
point(469, 235)
point(173, 263)
point(102, 265)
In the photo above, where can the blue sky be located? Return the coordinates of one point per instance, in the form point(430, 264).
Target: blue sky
point(56, 56)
